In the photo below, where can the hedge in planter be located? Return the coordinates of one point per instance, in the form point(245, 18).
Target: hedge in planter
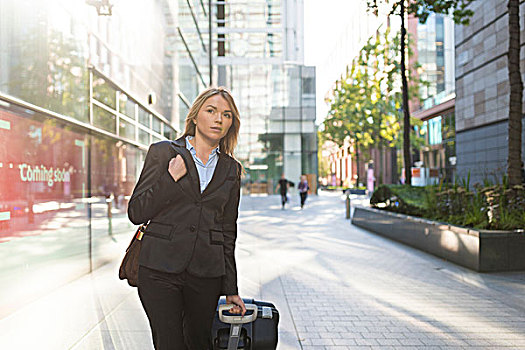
point(400, 198)
point(493, 207)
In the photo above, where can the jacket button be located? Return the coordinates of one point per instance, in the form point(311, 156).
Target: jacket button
point(192, 228)
point(197, 204)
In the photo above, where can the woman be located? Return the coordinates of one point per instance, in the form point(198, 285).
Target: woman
point(303, 189)
point(189, 192)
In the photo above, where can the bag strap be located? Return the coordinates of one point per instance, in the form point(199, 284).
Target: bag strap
point(141, 230)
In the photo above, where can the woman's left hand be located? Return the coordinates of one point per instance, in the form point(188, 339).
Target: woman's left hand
point(239, 304)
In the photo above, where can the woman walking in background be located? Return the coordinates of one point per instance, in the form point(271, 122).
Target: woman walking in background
point(303, 189)
point(189, 192)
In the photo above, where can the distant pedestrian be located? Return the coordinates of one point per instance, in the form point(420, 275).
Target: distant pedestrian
point(283, 188)
point(303, 189)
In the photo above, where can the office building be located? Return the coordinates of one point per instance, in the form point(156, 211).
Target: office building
point(434, 51)
point(84, 90)
point(260, 58)
point(483, 93)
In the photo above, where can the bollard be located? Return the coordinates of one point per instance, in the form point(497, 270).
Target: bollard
point(348, 204)
point(109, 202)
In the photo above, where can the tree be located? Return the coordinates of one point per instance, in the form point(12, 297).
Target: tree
point(459, 8)
point(514, 163)
point(406, 110)
point(324, 165)
point(364, 103)
point(346, 117)
point(421, 9)
point(461, 14)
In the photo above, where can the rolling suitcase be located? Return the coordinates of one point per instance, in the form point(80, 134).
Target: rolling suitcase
point(256, 330)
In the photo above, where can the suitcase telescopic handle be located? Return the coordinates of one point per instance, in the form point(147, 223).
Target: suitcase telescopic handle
point(237, 319)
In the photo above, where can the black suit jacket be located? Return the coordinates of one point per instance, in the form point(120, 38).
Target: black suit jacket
point(188, 230)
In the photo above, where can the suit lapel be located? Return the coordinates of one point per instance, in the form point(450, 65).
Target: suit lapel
point(193, 185)
point(222, 169)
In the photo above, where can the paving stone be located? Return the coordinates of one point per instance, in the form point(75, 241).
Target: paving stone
point(366, 342)
point(336, 287)
point(408, 303)
point(321, 341)
point(345, 341)
point(411, 341)
point(388, 341)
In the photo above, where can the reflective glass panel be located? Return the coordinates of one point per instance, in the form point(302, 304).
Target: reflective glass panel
point(103, 92)
point(42, 61)
point(156, 124)
point(126, 129)
point(104, 119)
point(114, 167)
point(144, 137)
point(144, 117)
point(43, 218)
point(169, 133)
point(126, 106)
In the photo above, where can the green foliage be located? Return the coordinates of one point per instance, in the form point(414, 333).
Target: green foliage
point(506, 206)
point(423, 8)
point(495, 207)
point(324, 165)
point(365, 103)
point(400, 198)
point(458, 205)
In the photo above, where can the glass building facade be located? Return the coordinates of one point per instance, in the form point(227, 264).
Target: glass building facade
point(435, 54)
point(259, 56)
point(440, 154)
point(81, 98)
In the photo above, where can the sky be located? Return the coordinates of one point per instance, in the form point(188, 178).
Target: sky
point(323, 22)
point(333, 33)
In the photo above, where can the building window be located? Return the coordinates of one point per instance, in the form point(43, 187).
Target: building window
point(104, 93)
point(126, 129)
point(308, 85)
point(144, 117)
point(104, 119)
point(434, 131)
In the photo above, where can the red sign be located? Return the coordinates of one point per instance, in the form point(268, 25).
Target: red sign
point(416, 172)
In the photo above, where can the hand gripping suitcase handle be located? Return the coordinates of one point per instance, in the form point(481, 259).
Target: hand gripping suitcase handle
point(237, 319)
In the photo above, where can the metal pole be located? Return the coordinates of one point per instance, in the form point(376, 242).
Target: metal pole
point(347, 204)
point(109, 202)
point(210, 41)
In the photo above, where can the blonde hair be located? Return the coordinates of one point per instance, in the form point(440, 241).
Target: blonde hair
point(229, 141)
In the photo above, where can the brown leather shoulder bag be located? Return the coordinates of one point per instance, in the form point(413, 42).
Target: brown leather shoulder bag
point(129, 268)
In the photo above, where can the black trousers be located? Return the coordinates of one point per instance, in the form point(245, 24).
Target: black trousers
point(284, 199)
point(303, 197)
point(180, 308)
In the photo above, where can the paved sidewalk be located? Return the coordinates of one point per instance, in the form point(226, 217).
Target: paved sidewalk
point(347, 288)
point(335, 285)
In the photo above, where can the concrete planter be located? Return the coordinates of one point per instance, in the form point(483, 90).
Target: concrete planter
point(479, 250)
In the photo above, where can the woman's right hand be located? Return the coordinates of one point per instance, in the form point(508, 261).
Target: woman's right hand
point(239, 307)
point(177, 168)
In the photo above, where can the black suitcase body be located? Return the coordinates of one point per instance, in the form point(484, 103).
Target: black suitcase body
point(260, 334)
